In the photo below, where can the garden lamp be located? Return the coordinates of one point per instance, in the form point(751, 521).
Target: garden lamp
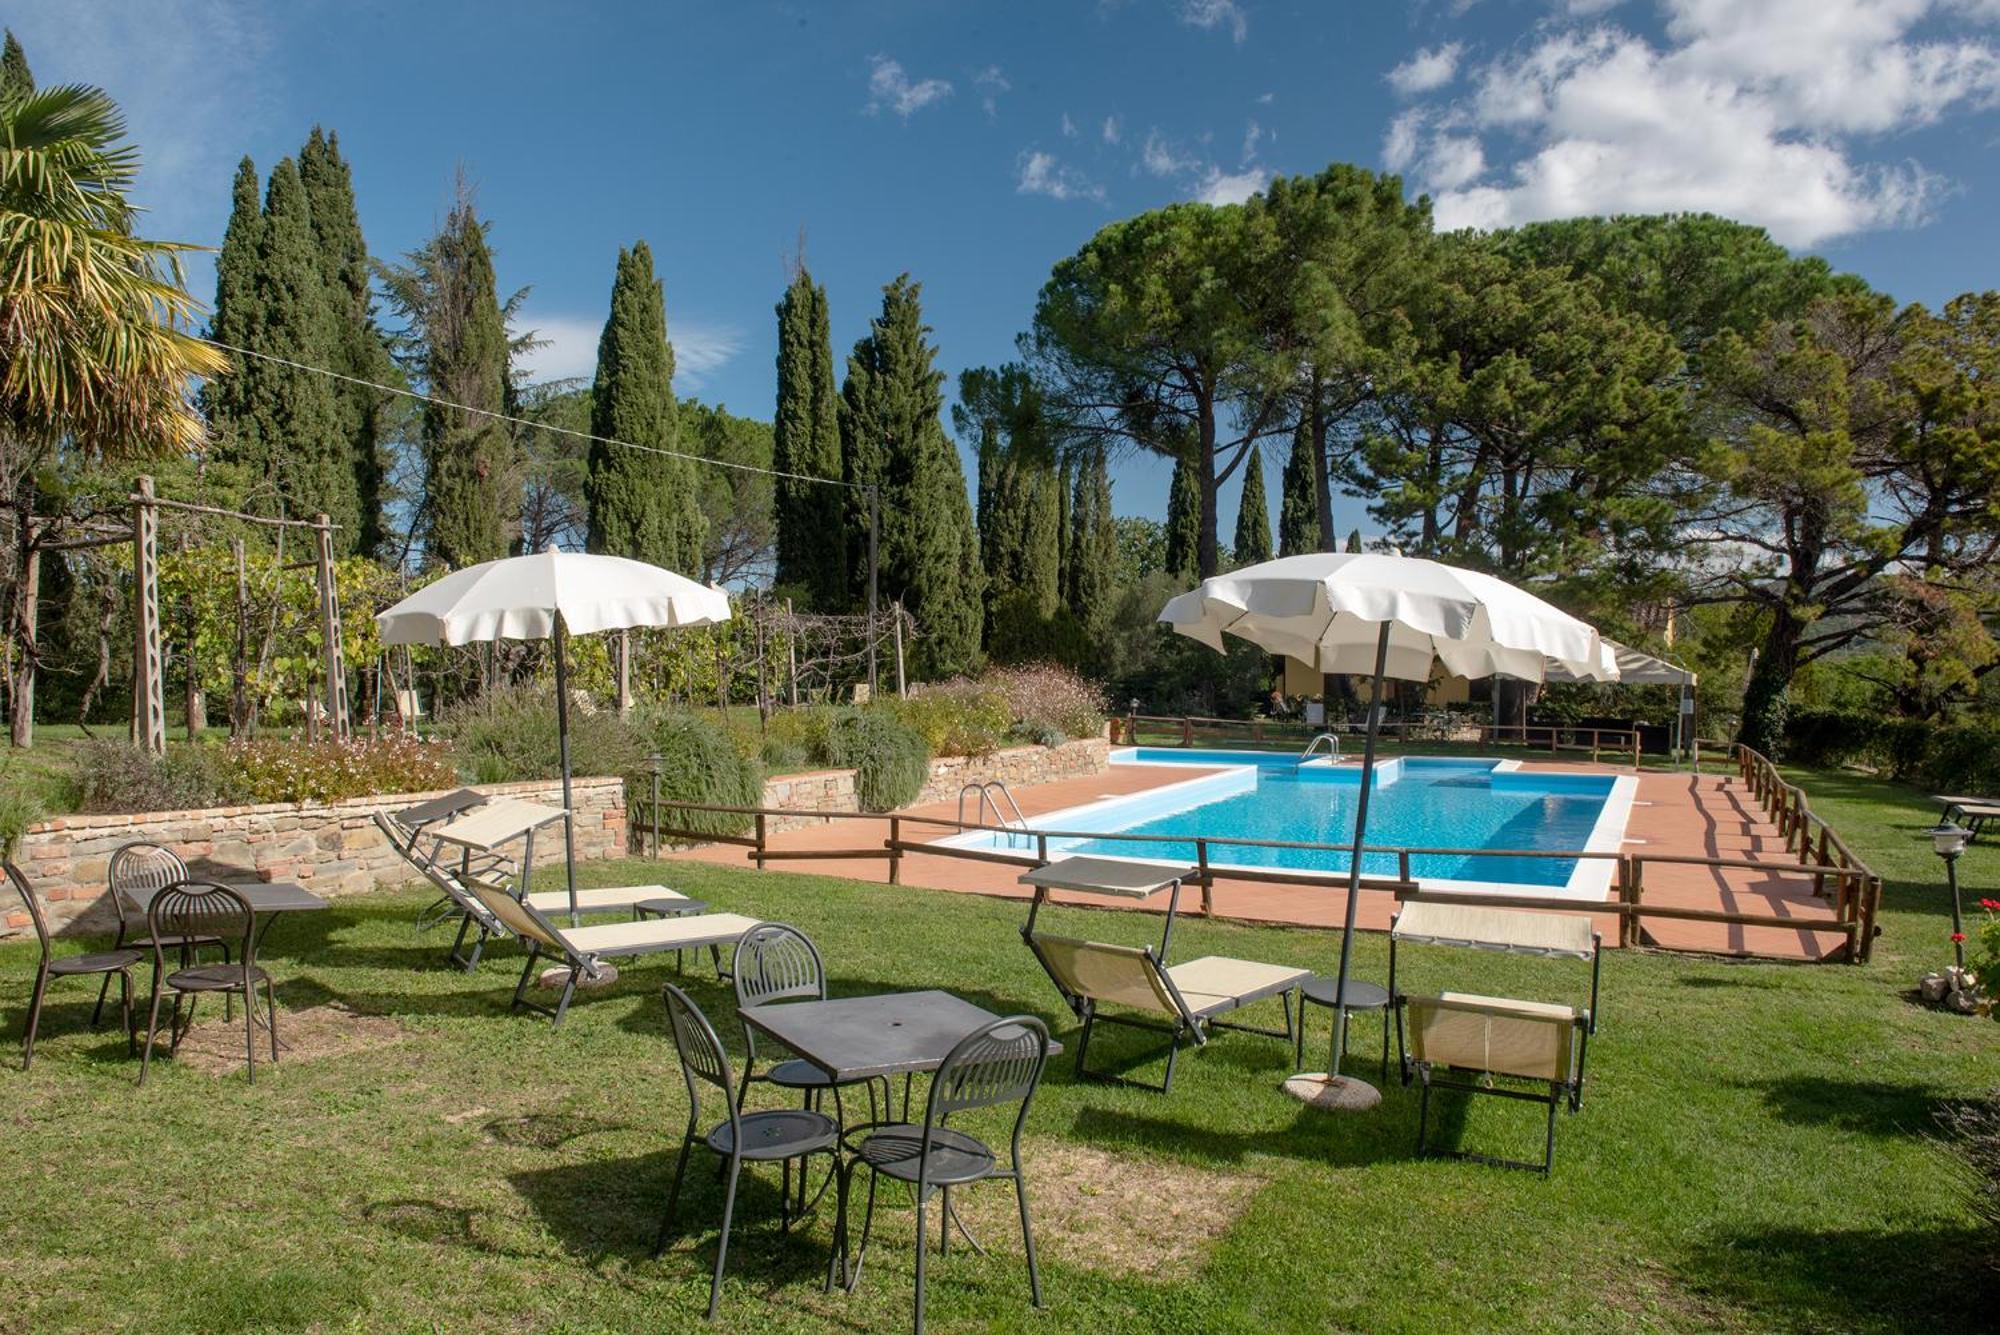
point(1949, 840)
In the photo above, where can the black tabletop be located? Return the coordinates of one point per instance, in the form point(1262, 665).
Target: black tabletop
point(437, 808)
point(671, 908)
point(855, 1038)
point(261, 896)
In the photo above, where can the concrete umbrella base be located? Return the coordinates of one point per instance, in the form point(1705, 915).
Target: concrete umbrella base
point(554, 978)
point(1341, 1093)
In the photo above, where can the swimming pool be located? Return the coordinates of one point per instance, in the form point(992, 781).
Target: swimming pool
point(1419, 802)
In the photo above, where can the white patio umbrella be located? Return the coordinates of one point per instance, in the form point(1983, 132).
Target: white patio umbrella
point(551, 594)
point(1387, 616)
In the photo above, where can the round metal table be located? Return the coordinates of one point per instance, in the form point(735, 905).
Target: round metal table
point(678, 908)
point(1322, 990)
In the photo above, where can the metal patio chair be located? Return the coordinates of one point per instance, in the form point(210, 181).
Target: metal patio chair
point(777, 1136)
point(204, 908)
point(108, 963)
point(137, 870)
point(995, 1065)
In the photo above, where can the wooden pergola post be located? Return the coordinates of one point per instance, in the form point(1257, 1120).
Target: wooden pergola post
point(335, 670)
point(149, 703)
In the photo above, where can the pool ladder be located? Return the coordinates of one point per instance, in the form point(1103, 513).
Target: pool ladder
point(1332, 747)
point(989, 796)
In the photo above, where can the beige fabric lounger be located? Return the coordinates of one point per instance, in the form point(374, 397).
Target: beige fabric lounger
point(616, 899)
point(1535, 1041)
point(1187, 997)
point(584, 948)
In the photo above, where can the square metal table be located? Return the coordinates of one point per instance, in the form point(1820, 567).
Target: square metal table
point(267, 899)
point(859, 1038)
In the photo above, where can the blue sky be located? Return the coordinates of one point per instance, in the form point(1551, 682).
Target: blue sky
point(973, 143)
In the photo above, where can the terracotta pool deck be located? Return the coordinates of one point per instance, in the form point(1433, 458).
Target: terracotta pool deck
point(1712, 815)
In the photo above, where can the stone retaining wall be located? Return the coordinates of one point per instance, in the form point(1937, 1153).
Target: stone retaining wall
point(1017, 767)
point(331, 849)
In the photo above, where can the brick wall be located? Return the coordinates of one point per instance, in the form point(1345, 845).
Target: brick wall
point(331, 849)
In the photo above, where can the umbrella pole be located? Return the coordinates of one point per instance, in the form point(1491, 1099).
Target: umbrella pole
point(1332, 1090)
point(562, 749)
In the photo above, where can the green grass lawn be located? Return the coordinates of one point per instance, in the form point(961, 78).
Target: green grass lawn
point(1753, 1151)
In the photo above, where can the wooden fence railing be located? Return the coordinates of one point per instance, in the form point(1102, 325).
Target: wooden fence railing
point(1555, 738)
point(1856, 889)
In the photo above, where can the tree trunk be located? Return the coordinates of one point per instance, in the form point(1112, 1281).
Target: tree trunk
point(1322, 482)
point(1208, 560)
point(1767, 695)
point(27, 612)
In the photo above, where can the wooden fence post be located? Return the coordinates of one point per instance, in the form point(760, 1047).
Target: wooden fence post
point(335, 670)
point(762, 836)
point(149, 704)
point(1207, 888)
point(896, 612)
point(791, 657)
point(895, 850)
point(1635, 888)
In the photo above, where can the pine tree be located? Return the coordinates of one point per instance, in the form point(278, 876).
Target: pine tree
point(1298, 508)
point(235, 318)
point(458, 335)
point(1184, 521)
point(811, 544)
point(16, 79)
point(288, 432)
point(891, 439)
point(1253, 515)
point(1093, 551)
point(641, 505)
point(359, 347)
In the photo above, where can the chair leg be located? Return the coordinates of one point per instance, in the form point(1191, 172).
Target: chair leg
point(674, 1194)
point(922, 1251)
point(1028, 1233)
point(722, 1243)
point(152, 1028)
point(1423, 1116)
point(527, 972)
point(1385, 1045)
point(174, 1026)
point(271, 1018)
point(35, 1014)
point(867, 1223)
point(944, 1225)
point(125, 1004)
point(249, 1027)
point(836, 1255)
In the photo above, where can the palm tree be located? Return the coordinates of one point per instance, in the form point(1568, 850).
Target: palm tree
point(94, 358)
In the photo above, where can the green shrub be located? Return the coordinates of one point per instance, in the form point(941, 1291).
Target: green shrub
point(956, 718)
point(700, 762)
point(889, 757)
point(1957, 758)
point(114, 777)
point(19, 809)
point(780, 756)
point(275, 769)
point(1825, 738)
point(510, 735)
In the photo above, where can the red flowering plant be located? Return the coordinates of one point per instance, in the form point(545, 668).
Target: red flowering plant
point(1986, 965)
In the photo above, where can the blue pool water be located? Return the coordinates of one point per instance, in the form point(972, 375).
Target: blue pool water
point(1418, 803)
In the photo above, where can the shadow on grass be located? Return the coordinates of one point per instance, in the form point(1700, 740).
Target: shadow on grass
point(1933, 1278)
point(1866, 1107)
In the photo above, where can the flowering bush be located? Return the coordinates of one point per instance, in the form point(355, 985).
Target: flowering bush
point(272, 769)
point(1044, 697)
point(114, 777)
point(1985, 963)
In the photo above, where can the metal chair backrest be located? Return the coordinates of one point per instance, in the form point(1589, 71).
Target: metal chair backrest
point(702, 1055)
point(189, 910)
point(775, 961)
point(27, 894)
point(996, 1064)
point(141, 869)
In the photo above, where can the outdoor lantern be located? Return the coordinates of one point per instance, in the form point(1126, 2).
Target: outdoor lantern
point(1949, 840)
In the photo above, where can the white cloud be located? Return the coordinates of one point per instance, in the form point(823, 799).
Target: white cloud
point(569, 348)
point(1220, 187)
point(1113, 130)
point(1040, 173)
point(1427, 70)
point(1216, 14)
point(1068, 127)
point(992, 82)
point(1161, 158)
point(1759, 112)
point(890, 87)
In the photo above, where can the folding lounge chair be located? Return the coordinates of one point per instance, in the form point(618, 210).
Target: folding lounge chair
point(1973, 812)
point(584, 948)
point(1187, 997)
point(1493, 1037)
point(1511, 931)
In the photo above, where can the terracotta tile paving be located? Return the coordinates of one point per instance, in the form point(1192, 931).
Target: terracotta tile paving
point(1673, 814)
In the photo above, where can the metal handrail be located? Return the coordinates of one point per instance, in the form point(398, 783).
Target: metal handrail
point(989, 802)
point(1332, 746)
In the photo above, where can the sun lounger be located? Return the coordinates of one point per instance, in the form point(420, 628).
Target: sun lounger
point(584, 949)
point(1972, 812)
point(1185, 999)
point(1540, 1043)
point(1512, 931)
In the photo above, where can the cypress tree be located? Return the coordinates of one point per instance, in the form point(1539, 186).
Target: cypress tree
point(891, 438)
point(1354, 540)
point(1066, 484)
point(641, 505)
point(811, 546)
point(235, 318)
point(1253, 515)
point(1021, 497)
point(467, 455)
point(359, 347)
point(289, 428)
point(1184, 521)
point(1298, 508)
point(16, 79)
point(1093, 550)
